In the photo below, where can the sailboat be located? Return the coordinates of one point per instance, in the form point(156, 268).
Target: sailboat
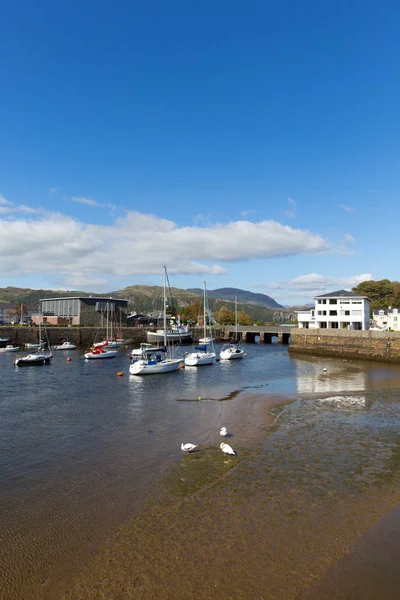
point(232, 351)
point(108, 343)
point(155, 362)
point(200, 356)
point(40, 357)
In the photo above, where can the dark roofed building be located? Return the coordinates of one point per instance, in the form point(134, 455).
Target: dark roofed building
point(341, 294)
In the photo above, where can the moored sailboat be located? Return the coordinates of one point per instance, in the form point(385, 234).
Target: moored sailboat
point(200, 356)
point(157, 361)
point(40, 357)
point(232, 351)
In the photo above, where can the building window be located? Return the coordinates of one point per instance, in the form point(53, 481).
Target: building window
point(332, 301)
point(347, 313)
point(333, 313)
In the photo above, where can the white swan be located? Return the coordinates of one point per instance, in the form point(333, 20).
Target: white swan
point(227, 449)
point(188, 447)
point(223, 431)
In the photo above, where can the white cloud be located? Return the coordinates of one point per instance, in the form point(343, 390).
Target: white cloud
point(349, 238)
point(91, 202)
point(52, 191)
point(245, 213)
point(137, 243)
point(4, 202)
point(313, 284)
point(349, 209)
point(291, 212)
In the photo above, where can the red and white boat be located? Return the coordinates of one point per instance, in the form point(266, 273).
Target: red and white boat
point(99, 352)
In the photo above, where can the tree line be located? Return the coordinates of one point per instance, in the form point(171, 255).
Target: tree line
point(382, 293)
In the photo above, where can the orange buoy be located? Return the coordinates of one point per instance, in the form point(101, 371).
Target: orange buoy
point(68, 359)
point(128, 354)
point(182, 366)
point(119, 374)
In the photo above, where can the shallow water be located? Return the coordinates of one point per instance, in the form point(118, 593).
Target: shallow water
point(82, 449)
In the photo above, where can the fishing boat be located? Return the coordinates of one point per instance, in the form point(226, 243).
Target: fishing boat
point(10, 348)
point(200, 355)
point(143, 349)
point(40, 357)
point(64, 346)
point(174, 333)
point(233, 350)
point(151, 363)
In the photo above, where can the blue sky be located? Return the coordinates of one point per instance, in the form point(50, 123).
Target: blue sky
point(252, 145)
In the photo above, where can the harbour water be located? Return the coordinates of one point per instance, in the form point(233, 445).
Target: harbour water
point(90, 461)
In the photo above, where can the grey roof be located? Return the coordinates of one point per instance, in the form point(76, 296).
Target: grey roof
point(341, 294)
point(98, 298)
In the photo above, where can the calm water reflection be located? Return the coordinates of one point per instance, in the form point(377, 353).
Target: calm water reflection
point(81, 448)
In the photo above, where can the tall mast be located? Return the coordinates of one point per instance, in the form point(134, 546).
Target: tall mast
point(204, 315)
point(107, 323)
point(236, 320)
point(165, 306)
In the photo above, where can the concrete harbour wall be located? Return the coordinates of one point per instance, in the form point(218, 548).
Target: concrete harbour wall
point(365, 345)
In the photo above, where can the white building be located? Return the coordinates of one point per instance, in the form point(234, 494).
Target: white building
point(389, 319)
point(337, 310)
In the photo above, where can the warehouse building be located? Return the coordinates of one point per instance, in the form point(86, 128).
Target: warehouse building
point(86, 311)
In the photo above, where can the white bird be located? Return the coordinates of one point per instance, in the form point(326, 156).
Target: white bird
point(227, 449)
point(188, 447)
point(223, 431)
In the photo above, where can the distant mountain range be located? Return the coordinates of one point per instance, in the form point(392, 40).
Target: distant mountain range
point(148, 299)
point(242, 296)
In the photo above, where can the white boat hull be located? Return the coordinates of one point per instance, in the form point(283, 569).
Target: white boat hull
point(142, 367)
point(143, 347)
point(206, 340)
point(10, 349)
point(158, 336)
point(34, 346)
point(197, 359)
point(231, 353)
point(64, 346)
point(101, 355)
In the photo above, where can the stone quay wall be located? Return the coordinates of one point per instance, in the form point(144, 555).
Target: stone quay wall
point(81, 336)
point(363, 345)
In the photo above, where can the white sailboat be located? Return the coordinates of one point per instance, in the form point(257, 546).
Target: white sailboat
point(232, 351)
point(40, 357)
point(157, 362)
point(200, 356)
point(109, 342)
point(144, 348)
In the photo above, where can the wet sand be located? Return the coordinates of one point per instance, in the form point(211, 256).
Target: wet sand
point(269, 523)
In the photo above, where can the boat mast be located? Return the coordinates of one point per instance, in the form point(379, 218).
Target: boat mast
point(107, 323)
point(204, 315)
point(165, 305)
point(236, 321)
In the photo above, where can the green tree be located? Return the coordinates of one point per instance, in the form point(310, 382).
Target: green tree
point(225, 316)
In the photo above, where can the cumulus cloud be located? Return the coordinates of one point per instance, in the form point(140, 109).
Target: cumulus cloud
point(313, 284)
point(349, 238)
point(291, 212)
point(349, 209)
point(138, 243)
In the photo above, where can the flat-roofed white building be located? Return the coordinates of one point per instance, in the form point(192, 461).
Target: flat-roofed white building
point(337, 310)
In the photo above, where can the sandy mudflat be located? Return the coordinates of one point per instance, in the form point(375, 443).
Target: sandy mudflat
point(267, 524)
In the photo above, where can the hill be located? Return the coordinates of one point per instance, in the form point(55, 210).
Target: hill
point(243, 296)
point(148, 299)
